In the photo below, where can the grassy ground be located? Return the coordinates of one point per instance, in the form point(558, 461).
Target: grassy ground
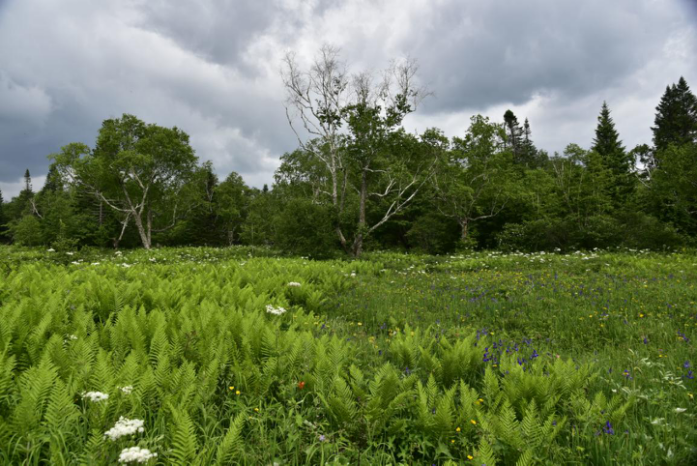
point(483, 358)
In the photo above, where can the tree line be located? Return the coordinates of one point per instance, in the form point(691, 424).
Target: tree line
point(357, 180)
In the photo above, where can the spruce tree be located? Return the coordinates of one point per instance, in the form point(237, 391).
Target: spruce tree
point(528, 151)
point(513, 131)
point(27, 181)
point(676, 117)
point(614, 157)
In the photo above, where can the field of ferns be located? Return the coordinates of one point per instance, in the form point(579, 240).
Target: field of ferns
point(239, 356)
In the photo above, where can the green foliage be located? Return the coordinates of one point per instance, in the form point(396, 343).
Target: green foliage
point(304, 228)
point(500, 358)
point(27, 231)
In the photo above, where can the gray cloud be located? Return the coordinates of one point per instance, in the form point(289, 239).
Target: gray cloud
point(212, 68)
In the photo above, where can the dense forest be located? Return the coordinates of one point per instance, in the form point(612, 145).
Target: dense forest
point(359, 181)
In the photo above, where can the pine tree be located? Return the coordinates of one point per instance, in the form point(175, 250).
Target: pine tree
point(614, 157)
point(54, 182)
point(513, 132)
point(676, 117)
point(27, 181)
point(528, 151)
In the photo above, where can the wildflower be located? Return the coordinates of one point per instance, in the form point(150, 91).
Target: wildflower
point(256, 410)
point(474, 423)
point(51, 250)
point(277, 311)
point(608, 428)
point(127, 390)
point(680, 410)
point(238, 393)
point(293, 284)
point(322, 438)
point(534, 354)
point(470, 457)
point(136, 454)
point(231, 387)
point(124, 427)
point(458, 429)
point(301, 385)
point(686, 365)
point(95, 397)
point(452, 441)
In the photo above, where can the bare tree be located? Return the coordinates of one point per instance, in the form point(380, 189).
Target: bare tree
point(351, 125)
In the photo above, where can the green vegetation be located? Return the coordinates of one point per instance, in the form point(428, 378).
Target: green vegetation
point(358, 181)
point(239, 356)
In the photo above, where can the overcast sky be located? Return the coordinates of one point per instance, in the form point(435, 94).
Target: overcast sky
point(212, 68)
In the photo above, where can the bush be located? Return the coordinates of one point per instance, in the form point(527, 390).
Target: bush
point(27, 231)
point(434, 234)
point(304, 228)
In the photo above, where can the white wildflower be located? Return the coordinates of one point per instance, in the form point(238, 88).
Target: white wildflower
point(75, 263)
point(353, 274)
point(95, 397)
point(136, 454)
point(124, 427)
point(294, 284)
point(127, 390)
point(277, 311)
point(51, 250)
point(680, 410)
point(69, 253)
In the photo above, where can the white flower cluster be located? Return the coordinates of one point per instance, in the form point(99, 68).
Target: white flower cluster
point(127, 390)
point(293, 284)
point(95, 396)
point(136, 454)
point(277, 311)
point(124, 427)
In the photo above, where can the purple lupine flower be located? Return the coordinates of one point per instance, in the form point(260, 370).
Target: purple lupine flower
point(608, 428)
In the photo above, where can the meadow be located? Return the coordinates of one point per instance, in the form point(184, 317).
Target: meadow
point(240, 356)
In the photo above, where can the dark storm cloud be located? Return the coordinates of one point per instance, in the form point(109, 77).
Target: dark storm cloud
point(478, 54)
point(212, 67)
point(219, 31)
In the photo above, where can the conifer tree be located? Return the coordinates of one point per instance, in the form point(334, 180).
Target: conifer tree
point(614, 157)
point(27, 181)
point(513, 132)
point(528, 151)
point(676, 117)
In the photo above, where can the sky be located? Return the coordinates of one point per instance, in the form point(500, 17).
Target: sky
point(213, 68)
